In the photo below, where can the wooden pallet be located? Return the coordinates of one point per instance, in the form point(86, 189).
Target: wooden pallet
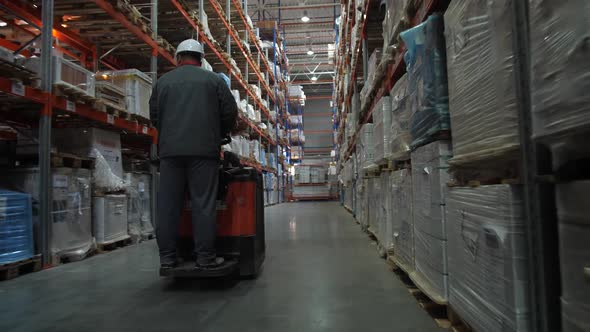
point(73, 93)
point(12, 270)
point(59, 259)
point(113, 245)
point(140, 119)
point(502, 170)
point(71, 161)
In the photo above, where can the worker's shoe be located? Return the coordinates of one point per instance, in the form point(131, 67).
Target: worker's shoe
point(166, 267)
point(210, 264)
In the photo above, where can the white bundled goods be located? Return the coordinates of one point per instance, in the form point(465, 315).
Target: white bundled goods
point(368, 148)
point(574, 231)
point(109, 218)
point(560, 68)
point(402, 219)
point(250, 112)
point(206, 65)
point(374, 61)
point(70, 229)
point(381, 127)
point(245, 148)
point(481, 79)
point(137, 86)
point(303, 174)
point(385, 229)
point(400, 138)
point(66, 73)
point(139, 220)
point(429, 180)
point(103, 145)
point(488, 277)
point(257, 90)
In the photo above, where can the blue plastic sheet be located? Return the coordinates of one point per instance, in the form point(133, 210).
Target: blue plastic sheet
point(225, 78)
point(16, 227)
point(427, 77)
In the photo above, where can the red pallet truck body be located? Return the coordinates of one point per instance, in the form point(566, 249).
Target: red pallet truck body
point(240, 225)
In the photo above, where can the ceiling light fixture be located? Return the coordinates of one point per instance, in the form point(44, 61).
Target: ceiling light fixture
point(314, 78)
point(3, 24)
point(305, 18)
point(310, 51)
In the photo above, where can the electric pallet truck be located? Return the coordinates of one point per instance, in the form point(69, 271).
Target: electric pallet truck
point(240, 225)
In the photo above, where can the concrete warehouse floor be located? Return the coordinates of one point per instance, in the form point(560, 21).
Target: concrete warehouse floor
point(321, 274)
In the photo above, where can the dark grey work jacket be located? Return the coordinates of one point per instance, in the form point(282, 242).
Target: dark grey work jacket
point(192, 109)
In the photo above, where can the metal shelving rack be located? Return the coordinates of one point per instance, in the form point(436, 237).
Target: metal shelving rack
point(125, 39)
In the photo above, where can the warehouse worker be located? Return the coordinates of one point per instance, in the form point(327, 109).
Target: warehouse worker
point(193, 109)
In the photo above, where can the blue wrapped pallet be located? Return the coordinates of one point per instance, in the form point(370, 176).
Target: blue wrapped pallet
point(16, 227)
point(427, 77)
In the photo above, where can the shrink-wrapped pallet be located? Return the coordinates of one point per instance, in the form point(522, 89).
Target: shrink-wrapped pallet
point(402, 219)
point(482, 82)
point(367, 146)
point(427, 78)
point(574, 251)
point(487, 257)
point(382, 128)
point(429, 180)
point(400, 137)
point(364, 199)
point(137, 86)
point(384, 231)
point(430, 268)
point(16, 227)
point(394, 19)
point(139, 221)
point(109, 218)
point(70, 230)
point(560, 49)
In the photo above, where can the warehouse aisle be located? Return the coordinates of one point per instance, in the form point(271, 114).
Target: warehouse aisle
point(321, 274)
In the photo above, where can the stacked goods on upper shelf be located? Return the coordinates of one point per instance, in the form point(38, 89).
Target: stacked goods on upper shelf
point(382, 128)
point(574, 231)
point(139, 220)
point(137, 87)
point(427, 80)
point(394, 22)
point(70, 78)
point(402, 219)
point(399, 136)
point(482, 82)
point(70, 229)
point(16, 228)
point(109, 218)
point(561, 77)
point(488, 278)
point(371, 83)
point(297, 137)
point(429, 180)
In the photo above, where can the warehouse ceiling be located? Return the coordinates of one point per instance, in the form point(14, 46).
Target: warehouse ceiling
point(314, 71)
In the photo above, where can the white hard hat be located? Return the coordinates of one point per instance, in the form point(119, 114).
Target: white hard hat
point(190, 45)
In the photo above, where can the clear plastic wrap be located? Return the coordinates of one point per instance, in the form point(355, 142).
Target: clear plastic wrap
point(384, 232)
point(430, 258)
point(70, 232)
point(381, 128)
point(16, 227)
point(394, 21)
point(399, 137)
point(487, 257)
point(574, 251)
point(139, 220)
point(560, 49)
point(427, 77)
point(109, 218)
point(137, 86)
point(367, 147)
point(402, 219)
point(103, 177)
point(481, 75)
point(429, 180)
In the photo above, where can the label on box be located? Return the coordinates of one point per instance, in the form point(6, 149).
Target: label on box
point(18, 88)
point(144, 130)
point(70, 106)
point(141, 187)
point(60, 181)
point(110, 118)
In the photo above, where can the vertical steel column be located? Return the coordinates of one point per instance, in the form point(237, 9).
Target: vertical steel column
point(154, 147)
point(45, 199)
point(541, 217)
point(365, 60)
point(279, 172)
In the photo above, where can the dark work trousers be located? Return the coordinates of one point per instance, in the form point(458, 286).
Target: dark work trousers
point(201, 177)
